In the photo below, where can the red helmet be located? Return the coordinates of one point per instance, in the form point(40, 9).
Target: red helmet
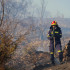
point(54, 23)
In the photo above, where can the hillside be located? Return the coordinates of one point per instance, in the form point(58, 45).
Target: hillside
point(56, 67)
point(37, 58)
point(29, 61)
point(40, 30)
point(59, 67)
point(35, 61)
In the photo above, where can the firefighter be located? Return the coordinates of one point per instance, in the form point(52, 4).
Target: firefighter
point(54, 35)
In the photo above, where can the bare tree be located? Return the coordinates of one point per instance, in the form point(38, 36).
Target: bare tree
point(42, 11)
point(2, 12)
point(17, 9)
point(8, 43)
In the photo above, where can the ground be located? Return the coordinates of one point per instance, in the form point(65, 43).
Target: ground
point(64, 66)
point(36, 61)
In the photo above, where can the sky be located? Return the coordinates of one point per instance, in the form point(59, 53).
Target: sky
point(56, 7)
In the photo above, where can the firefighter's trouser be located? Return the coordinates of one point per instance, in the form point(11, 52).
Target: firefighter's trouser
point(58, 48)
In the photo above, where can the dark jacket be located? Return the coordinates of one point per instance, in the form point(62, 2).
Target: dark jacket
point(54, 33)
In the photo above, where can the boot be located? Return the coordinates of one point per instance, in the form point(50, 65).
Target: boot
point(53, 63)
point(61, 57)
point(52, 59)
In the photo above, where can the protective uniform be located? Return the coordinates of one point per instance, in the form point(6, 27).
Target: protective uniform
point(57, 34)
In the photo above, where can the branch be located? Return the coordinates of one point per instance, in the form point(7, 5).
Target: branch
point(2, 3)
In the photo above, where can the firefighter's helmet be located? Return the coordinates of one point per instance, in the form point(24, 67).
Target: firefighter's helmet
point(54, 23)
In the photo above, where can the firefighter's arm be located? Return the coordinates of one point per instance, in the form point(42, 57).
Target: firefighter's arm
point(49, 35)
point(60, 34)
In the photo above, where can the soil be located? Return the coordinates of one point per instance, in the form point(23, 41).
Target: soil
point(37, 61)
point(64, 66)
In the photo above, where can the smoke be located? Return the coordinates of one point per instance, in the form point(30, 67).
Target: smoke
point(45, 49)
point(18, 1)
